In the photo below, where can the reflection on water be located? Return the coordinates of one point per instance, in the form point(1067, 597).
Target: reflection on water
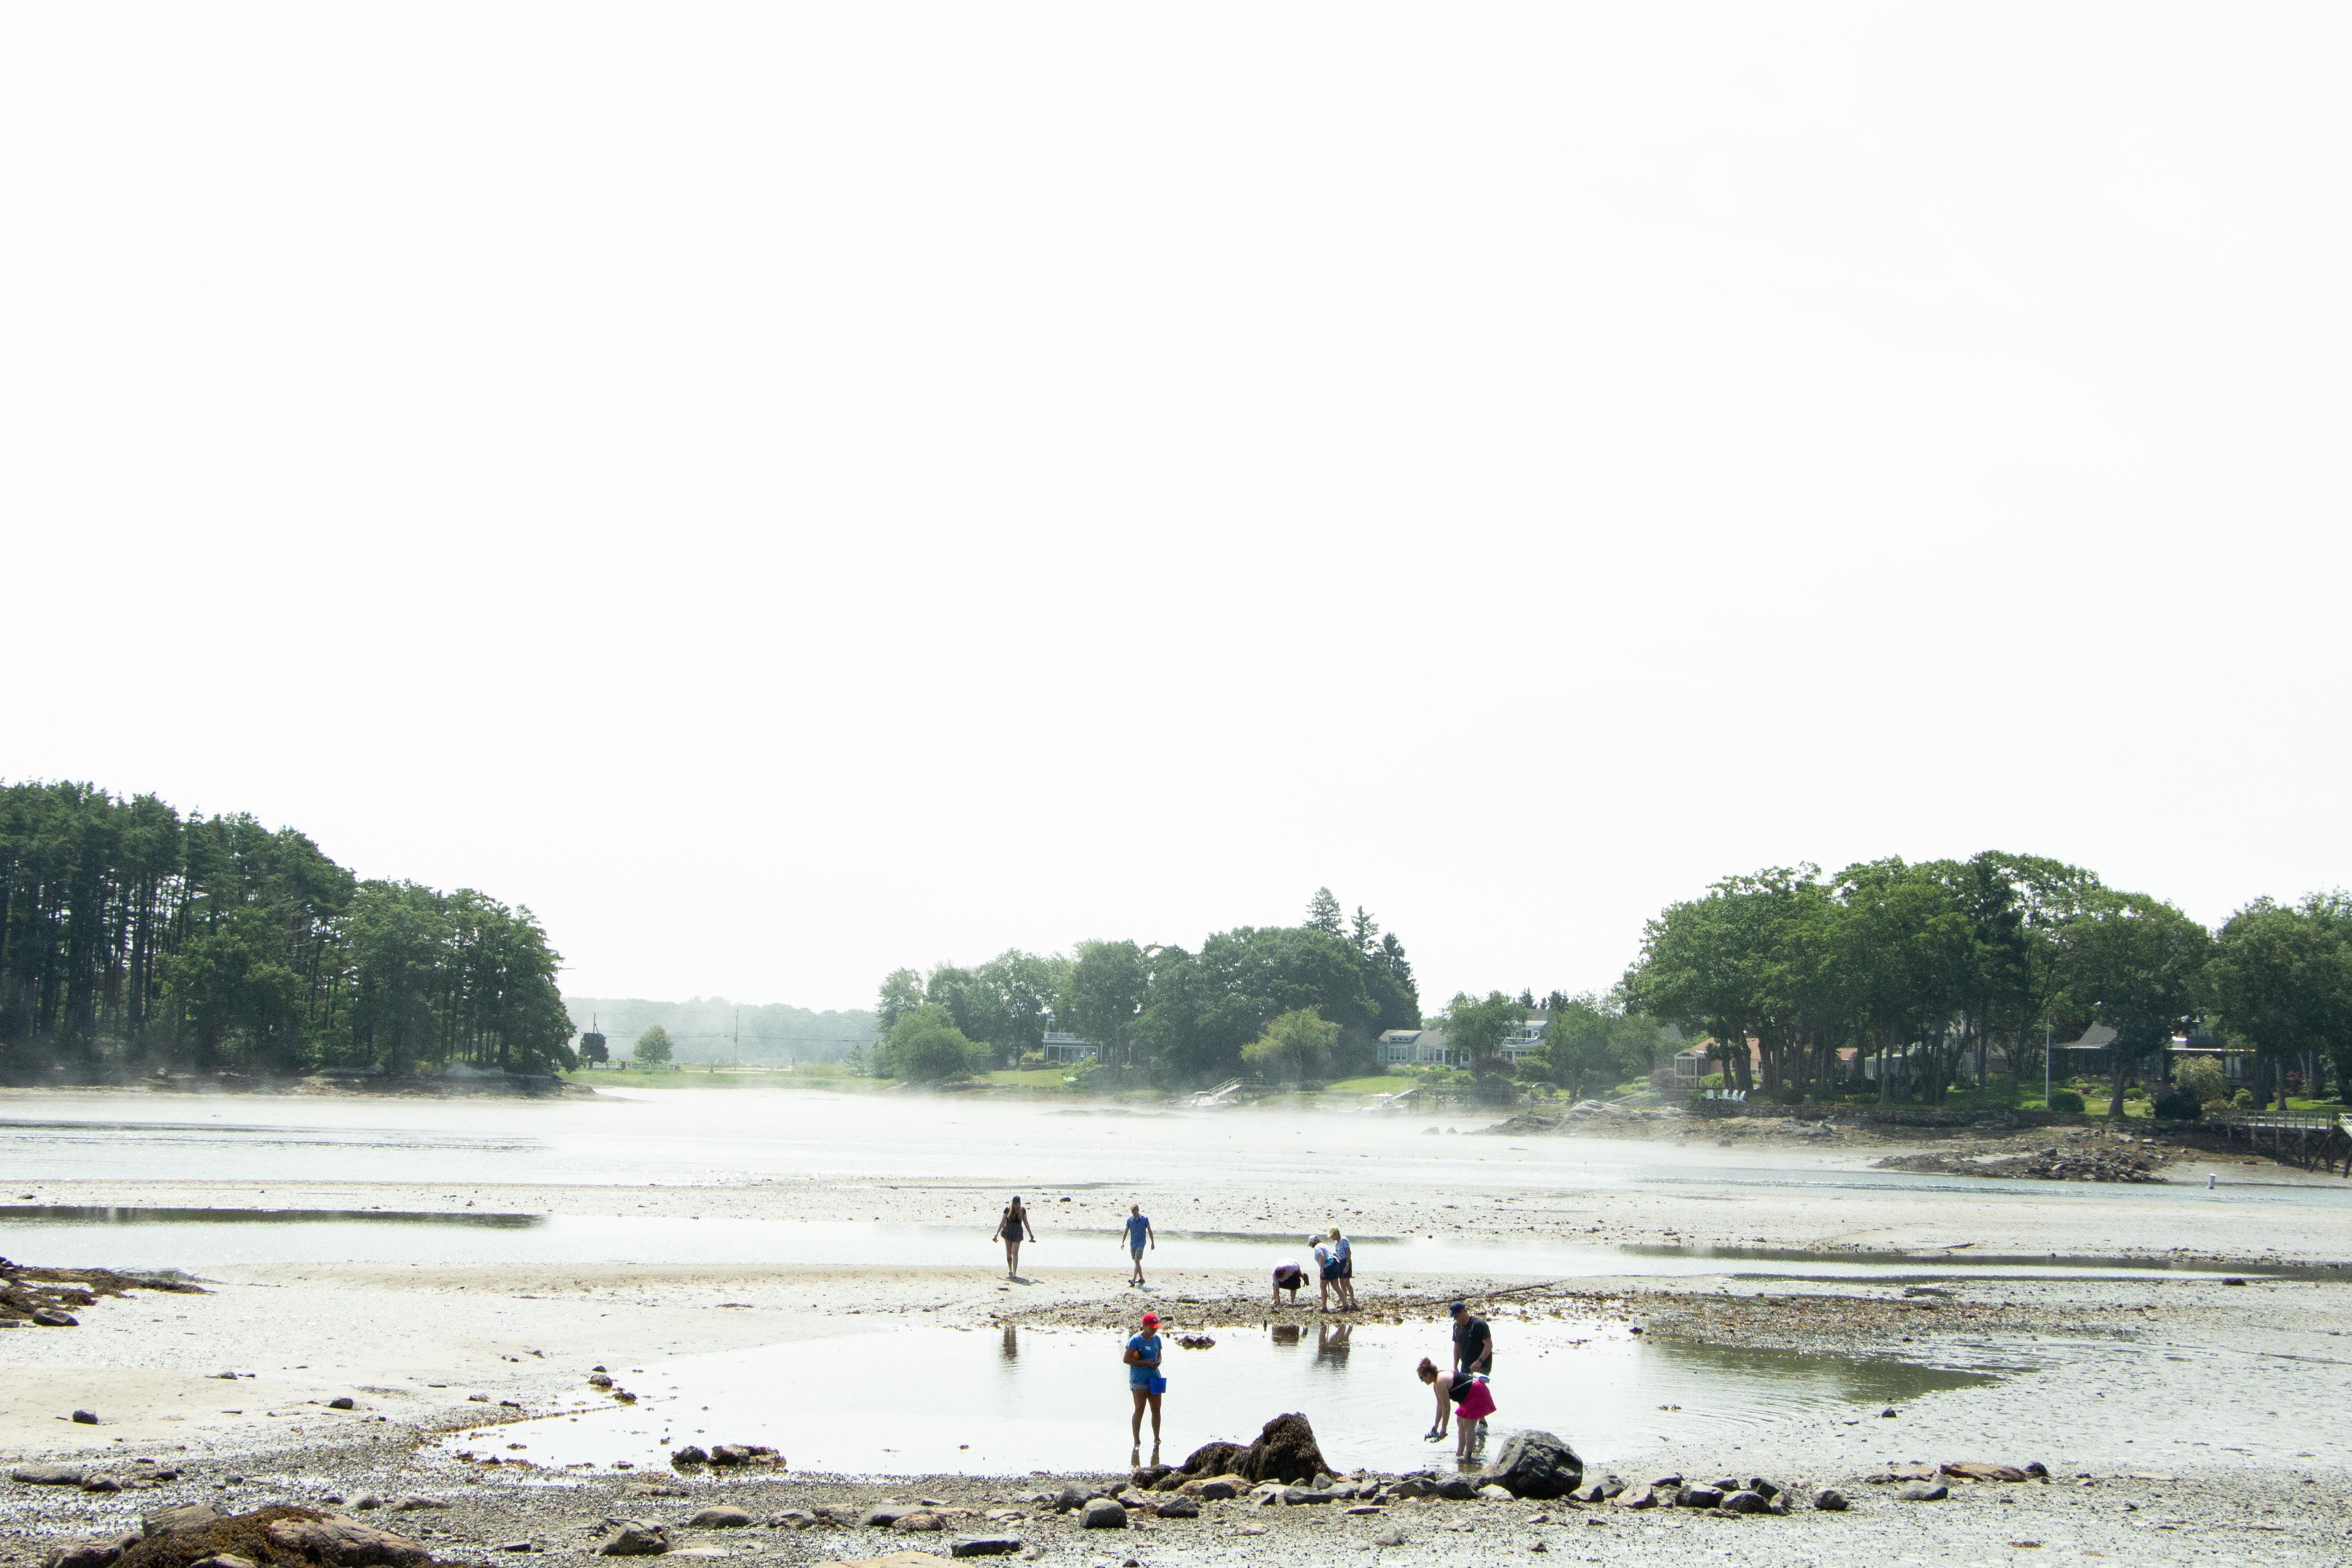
point(942, 1400)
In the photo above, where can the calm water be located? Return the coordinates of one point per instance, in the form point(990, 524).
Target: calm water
point(689, 1137)
point(1005, 1401)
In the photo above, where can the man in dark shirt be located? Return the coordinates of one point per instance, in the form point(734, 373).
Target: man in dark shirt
point(1473, 1345)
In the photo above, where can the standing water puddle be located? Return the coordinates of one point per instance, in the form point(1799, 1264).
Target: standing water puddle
point(1006, 1400)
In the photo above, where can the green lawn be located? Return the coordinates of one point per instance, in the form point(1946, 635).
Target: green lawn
point(1379, 1083)
point(1027, 1078)
point(698, 1076)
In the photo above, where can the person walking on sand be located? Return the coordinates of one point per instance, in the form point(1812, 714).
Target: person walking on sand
point(1466, 1390)
point(1343, 1253)
point(1009, 1231)
point(1146, 1384)
point(1138, 1232)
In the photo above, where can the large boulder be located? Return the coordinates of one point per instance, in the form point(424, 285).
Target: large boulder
point(49, 1475)
point(1209, 1459)
point(1535, 1465)
point(346, 1543)
point(1103, 1514)
point(182, 1516)
point(91, 1552)
point(1286, 1450)
point(636, 1538)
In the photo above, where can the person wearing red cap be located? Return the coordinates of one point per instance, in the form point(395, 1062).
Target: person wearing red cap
point(1144, 1382)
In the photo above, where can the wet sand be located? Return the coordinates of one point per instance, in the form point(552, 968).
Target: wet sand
point(386, 1334)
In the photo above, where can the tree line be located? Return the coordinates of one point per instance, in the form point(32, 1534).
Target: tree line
point(1168, 1014)
point(134, 938)
point(1936, 972)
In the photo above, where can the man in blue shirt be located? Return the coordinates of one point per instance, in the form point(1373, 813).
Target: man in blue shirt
point(1146, 1384)
point(1138, 1231)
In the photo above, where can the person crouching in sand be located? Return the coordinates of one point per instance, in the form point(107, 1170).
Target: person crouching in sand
point(1466, 1390)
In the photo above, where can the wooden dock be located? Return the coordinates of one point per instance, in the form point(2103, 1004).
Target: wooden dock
point(2309, 1137)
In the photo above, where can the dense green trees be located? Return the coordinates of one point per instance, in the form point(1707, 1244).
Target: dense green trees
point(652, 1048)
point(1181, 1017)
point(1932, 971)
point(1295, 1048)
point(924, 1045)
point(130, 936)
point(1589, 1044)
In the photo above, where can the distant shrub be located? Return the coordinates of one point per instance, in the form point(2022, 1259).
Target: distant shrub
point(2201, 1079)
point(2135, 1093)
point(2174, 1103)
point(2065, 1103)
point(2243, 1099)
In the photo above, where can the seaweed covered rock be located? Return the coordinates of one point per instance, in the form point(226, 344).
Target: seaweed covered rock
point(279, 1537)
point(1285, 1451)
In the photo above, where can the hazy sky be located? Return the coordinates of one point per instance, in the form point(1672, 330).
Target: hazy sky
point(789, 492)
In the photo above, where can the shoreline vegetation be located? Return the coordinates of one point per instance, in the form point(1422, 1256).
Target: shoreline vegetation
point(135, 940)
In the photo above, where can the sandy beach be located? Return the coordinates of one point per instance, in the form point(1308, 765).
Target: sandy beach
point(2226, 1391)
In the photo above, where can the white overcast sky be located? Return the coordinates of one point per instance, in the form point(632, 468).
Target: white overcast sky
point(787, 492)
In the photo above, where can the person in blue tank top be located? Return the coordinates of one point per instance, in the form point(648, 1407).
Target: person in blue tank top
point(1145, 1382)
point(1138, 1234)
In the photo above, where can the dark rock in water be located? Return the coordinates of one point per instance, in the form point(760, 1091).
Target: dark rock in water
point(1179, 1507)
point(85, 1417)
point(1456, 1489)
point(1155, 1476)
point(48, 1475)
point(1286, 1450)
point(51, 1318)
point(1745, 1501)
point(1698, 1497)
point(691, 1454)
point(636, 1539)
point(1535, 1465)
point(91, 1552)
point(1920, 1491)
point(1103, 1514)
point(720, 1518)
point(744, 1454)
point(339, 1542)
point(186, 1516)
point(341, 1402)
point(1829, 1499)
point(986, 1546)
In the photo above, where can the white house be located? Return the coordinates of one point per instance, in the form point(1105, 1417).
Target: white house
point(1063, 1048)
point(1414, 1047)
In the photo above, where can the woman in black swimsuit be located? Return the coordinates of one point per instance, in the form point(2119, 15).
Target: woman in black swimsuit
point(1009, 1231)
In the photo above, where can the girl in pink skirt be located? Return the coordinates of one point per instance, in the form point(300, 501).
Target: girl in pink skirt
point(1466, 1389)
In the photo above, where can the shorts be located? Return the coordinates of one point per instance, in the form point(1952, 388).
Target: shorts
point(1136, 1253)
point(1477, 1405)
point(1287, 1278)
point(1330, 1272)
point(1149, 1385)
point(1347, 1268)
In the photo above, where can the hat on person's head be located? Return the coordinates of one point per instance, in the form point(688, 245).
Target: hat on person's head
point(1335, 1233)
point(1151, 1320)
point(1454, 1307)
